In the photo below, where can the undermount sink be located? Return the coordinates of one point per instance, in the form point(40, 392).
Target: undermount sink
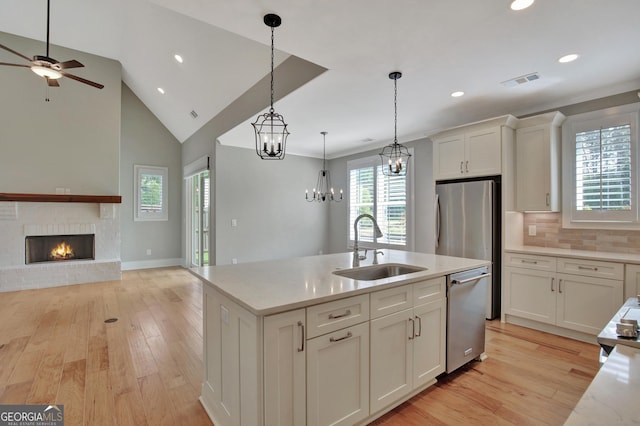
point(378, 272)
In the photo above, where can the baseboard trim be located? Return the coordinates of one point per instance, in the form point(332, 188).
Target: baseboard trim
point(148, 264)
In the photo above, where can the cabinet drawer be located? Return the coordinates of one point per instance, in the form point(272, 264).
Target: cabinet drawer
point(591, 268)
point(332, 316)
point(531, 261)
point(392, 300)
point(429, 290)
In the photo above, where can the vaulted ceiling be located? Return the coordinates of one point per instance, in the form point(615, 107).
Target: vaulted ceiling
point(441, 46)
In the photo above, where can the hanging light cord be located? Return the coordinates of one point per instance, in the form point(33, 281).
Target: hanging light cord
point(395, 108)
point(271, 109)
point(324, 150)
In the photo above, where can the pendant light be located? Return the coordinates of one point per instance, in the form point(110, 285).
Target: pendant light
point(271, 130)
point(323, 190)
point(395, 157)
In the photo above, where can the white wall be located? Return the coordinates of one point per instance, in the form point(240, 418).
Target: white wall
point(423, 196)
point(73, 141)
point(266, 198)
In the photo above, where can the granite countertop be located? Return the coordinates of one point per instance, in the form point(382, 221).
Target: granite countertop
point(578, 254)
point(608, 336)
point(280, 285)
point(612, 397)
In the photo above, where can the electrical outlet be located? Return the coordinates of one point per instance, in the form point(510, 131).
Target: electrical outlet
point(234, 222)
point(532, 230)
point(234, 261)
point(148, 252)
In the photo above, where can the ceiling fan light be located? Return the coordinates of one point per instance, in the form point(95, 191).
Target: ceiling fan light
point(46, 72)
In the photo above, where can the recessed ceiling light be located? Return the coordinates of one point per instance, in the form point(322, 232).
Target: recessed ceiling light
point(161, 90)
point(457, 94)
point(178, 58)
point(521, 4)
point(568, 58)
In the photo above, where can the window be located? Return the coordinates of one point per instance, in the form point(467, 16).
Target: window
point(601, 154)
point(151, 193)
point(383, 197)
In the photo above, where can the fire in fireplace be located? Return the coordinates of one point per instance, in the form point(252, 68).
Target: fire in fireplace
point(52, 248)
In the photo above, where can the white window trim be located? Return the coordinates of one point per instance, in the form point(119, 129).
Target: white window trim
point(163, 215)
point(606, 117)
point(375, 159)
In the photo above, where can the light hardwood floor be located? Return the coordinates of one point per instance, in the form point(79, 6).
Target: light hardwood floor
point(146, 368)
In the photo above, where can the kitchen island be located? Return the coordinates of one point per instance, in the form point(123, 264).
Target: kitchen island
point(290, 342)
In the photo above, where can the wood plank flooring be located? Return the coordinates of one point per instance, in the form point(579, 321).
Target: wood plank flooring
point(146, 368)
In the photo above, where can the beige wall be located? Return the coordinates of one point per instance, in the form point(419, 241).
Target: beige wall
point(73, 140)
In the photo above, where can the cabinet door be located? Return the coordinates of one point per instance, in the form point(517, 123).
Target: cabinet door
point(391, 358)
point(530, 294)
point(587, 304)
point(285, 369)
point(533, 169)
point(338, 377)
point(448, 157)
point(483, 152)
point(429, 344)
point(631, 281)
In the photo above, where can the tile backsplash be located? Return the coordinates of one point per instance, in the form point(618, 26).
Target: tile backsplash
point(550, 233)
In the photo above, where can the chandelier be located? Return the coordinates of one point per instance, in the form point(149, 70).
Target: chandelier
point(395, 157)
point(270, 128)
point(323, 190)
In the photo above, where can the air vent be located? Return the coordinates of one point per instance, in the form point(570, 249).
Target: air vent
point(521, 80)
point(194, 114)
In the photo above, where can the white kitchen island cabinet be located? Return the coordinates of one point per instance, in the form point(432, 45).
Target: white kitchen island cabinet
point(293, 344)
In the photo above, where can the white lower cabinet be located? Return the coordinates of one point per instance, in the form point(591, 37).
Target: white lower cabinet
point(539, 289)
point(285, 386)
point(408, 340)
point(326, 364)
point(338, 377)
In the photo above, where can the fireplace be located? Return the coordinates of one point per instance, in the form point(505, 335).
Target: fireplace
point(57, 248)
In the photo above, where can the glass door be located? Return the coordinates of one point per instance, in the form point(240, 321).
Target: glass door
point(198, 202)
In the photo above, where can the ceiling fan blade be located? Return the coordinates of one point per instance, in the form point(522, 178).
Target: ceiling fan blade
point(15, 53)
point(52, 82)
point(70, 64)
point(82, 80)
point(15, 65)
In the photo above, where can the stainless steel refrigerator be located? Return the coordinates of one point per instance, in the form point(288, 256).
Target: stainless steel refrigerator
point(468, 225)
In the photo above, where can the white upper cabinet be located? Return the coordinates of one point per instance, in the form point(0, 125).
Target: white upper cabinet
point(538, 163)
point(472, 150)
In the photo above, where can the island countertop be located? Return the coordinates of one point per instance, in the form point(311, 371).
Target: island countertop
point(270, 287)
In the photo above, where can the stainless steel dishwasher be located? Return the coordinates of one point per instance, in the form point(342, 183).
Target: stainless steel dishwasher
point(466, 303)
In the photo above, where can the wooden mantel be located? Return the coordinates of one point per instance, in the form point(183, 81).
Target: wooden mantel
point(60, 198)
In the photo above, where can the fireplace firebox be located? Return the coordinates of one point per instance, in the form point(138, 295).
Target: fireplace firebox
point(56, 248)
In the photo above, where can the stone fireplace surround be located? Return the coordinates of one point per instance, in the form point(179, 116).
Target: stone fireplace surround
point(21, 219)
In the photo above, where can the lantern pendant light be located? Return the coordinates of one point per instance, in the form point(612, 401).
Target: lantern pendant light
point(323, 190)
point(270, 128)
point(395, 157)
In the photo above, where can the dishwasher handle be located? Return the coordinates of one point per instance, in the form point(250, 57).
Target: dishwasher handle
point(468, 280)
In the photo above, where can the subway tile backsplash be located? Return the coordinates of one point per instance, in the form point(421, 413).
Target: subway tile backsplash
point(549, 233)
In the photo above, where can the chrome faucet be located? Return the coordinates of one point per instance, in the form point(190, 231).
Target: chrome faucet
point(356, 251)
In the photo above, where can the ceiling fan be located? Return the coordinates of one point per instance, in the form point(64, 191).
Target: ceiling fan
point(48, 68)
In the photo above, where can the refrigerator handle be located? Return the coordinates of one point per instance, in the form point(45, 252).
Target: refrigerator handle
point(436, 207)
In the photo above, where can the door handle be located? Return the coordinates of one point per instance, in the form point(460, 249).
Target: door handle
point(413, 329)
point(301, 348)
point(419, 333)
point(333, 339)
point(552, 279)
point(548, 199)
point(466, 166)
point(461, 163)
point(560, 286)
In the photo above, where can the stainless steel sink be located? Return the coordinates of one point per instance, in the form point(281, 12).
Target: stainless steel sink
point(378, 272)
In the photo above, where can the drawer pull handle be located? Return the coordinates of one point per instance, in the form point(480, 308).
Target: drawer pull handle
point(413, 329)
point(533, 262)
point(466, 166)
point(461, 163)
point(333, 339)
point(301, 348)
point(560, 286)
point(588, 268)
point(552, 280)
point(346, 314)
point(419, 333)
